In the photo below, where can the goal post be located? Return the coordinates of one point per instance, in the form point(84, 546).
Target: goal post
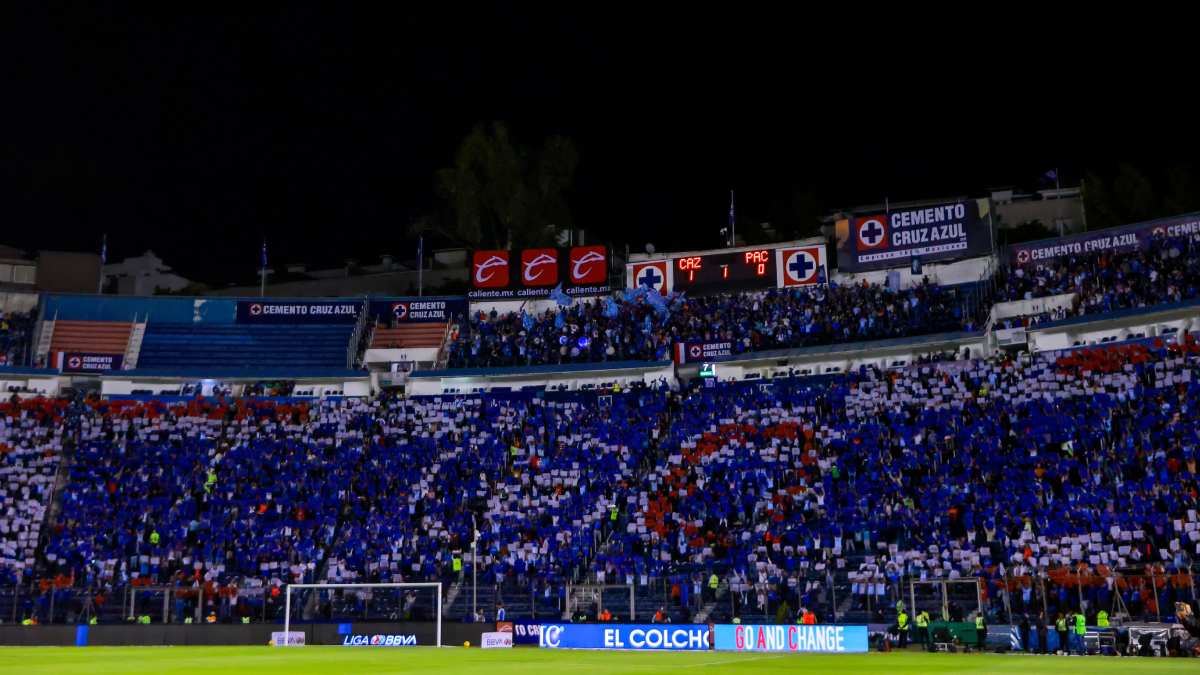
point(940, 595)
point(436, 585)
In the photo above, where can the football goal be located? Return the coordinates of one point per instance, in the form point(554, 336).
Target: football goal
point(372, 604)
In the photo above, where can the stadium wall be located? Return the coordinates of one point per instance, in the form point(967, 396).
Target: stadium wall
point(578, 376)
point(943, 274)
point(1099, 329)
point(29, 382)
point(120, 388)
point(1005, 310)
point(118, 308)
point(838, 359)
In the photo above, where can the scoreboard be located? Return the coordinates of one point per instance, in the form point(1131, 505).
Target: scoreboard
point(784, 265)
point(720, 272)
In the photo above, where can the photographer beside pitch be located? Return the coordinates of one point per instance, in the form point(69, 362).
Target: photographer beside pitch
point(1190, 645)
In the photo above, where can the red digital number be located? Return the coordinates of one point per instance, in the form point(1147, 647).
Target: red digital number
point(692, 263)
point(762, 269)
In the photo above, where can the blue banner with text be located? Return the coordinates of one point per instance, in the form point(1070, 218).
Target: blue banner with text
point(682, 637)
point(796, 638)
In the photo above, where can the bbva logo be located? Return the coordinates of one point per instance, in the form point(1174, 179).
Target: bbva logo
point(379, 640)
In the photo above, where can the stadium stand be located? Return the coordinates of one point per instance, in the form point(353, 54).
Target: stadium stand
point(1065, 467)
point(1058, 480)
point(98, 337)
point(527, 468)
point(1168, 271)
point(194, 345)
point(406, 336)
point(644, 326)
point(29, 451)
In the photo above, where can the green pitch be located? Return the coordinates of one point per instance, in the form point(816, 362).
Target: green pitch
point(531, 661)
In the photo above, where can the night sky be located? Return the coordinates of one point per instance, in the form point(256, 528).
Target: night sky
point(194, 132)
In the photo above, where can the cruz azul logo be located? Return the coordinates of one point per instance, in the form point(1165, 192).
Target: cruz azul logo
point(872, 232)
point(802, 266)
point(652, 275)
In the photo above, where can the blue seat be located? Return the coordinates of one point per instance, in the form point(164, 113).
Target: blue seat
point(167, 345)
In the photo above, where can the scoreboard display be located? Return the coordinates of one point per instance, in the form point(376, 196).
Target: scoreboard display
point(721, 272)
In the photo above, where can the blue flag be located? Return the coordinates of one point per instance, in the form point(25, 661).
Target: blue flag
point(633, 294)
point(611, 310)
point(659, 303)
point(560, 297)
point(560, 319)
point(526, 320)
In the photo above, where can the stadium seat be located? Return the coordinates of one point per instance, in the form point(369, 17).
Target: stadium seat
point(198, 345)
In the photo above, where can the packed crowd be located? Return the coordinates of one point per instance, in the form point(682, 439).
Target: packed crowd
point(994, 469)
point(30, 443)
point(239, 497)
point(523, 472)
point(636, 325)
point(1168, 270)
point(196, 493)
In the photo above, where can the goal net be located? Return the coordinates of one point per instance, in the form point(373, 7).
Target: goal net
point(375, 615)
point(952, 600)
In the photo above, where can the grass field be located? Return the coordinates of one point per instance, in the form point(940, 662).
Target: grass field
point(300, 660)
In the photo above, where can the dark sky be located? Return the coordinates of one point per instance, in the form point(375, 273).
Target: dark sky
point(194, 132)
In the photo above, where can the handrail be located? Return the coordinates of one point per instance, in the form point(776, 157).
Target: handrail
point(443, 355)
point(356, 334)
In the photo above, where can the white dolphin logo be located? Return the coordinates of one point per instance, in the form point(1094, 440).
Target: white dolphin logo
point(541, 259)
point(589, 257)
point(494, 261)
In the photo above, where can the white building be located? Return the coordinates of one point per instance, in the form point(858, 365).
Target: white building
point(1060, 210)
point(18, 281)
point(143, 275)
